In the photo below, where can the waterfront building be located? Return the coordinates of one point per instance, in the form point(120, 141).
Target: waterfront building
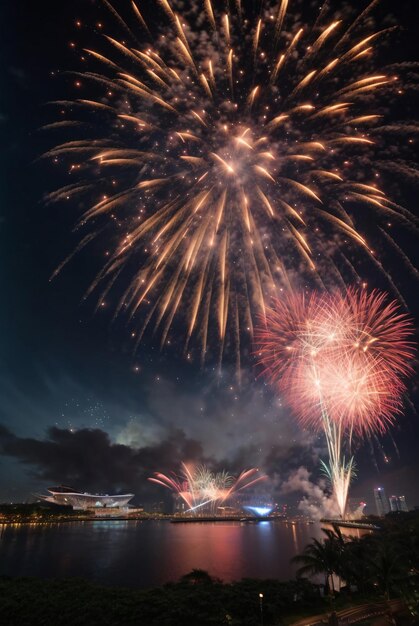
point(179, 504)
point(398, 503)
point(259, 511)
point(157, 508)
point(66, 496)
point(255, 502)
point(381, 501)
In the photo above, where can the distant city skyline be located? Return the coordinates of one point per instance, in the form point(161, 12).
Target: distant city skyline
point(389, 504)
point(398, 503)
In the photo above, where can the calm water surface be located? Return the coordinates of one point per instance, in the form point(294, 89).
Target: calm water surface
point(142, 554)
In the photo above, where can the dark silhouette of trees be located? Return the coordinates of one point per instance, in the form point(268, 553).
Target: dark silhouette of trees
point(318, 558)
point(382, 565)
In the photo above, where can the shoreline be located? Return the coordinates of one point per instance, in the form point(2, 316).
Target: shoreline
point(170, 519)
point(187, 520)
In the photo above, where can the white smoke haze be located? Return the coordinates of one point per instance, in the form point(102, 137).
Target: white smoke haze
point(357, 513)
point(316, 502)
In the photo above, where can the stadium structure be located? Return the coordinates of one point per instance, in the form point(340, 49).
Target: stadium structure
point(66, 496)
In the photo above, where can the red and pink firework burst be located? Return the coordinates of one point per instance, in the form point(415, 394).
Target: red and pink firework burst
point(345, 355)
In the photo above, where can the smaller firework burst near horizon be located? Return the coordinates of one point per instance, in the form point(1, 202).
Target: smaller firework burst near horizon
point(347, 355)
point(203, 490)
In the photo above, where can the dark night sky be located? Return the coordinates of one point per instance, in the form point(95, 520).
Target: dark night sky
point(64, 367)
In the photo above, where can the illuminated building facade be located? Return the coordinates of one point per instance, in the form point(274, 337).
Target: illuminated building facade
point(398, 503)
point(381, 501)
point(65, 496)
point(259, 511)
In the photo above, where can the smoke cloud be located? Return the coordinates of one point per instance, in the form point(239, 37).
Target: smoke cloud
point(316, 503)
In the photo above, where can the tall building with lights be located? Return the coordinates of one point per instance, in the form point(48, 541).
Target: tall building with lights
point(381, 501)
point(398, 503)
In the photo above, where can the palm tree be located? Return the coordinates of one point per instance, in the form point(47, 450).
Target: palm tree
point(350, 555)
point(319, 558)
point(335, 534)
point(388, 565)
point(338, 544)
point(354, 568)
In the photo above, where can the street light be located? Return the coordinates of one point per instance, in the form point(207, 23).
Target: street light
point(261, 607)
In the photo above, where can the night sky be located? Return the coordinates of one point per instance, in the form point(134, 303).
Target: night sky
point(77, 406)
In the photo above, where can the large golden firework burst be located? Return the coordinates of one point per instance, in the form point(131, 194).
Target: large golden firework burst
point(227, 152)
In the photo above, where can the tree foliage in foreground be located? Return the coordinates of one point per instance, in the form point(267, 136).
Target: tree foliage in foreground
point(196, 599)
point(384, 564)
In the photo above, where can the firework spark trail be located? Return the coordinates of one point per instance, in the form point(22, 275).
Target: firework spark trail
point(225, 158)
point(341, 362)
point(338, 470)
point(199, 487)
